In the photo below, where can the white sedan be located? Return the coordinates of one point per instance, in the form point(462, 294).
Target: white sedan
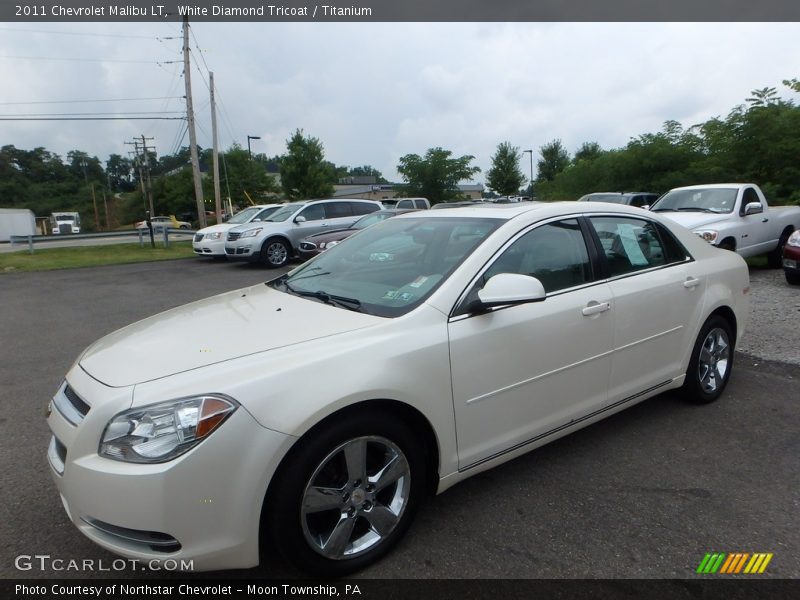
point(325, 405)
point(210, 241)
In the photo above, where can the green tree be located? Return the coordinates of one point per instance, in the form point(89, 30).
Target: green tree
point(555, 159)
point(588, 151)
point(436, 175)
point(763, 97)
point(504, 176)
point(304, 171)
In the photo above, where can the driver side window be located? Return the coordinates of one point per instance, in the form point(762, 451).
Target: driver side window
point(554, 253)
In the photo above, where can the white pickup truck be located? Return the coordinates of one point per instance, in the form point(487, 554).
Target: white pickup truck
point(733, 216)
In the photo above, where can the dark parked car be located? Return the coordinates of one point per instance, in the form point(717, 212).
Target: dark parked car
point(639, 199)
point(315, 244)
point(791, 258)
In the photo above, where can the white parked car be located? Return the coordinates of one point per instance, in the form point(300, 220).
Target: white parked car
point(432, 346)
point(210, 241)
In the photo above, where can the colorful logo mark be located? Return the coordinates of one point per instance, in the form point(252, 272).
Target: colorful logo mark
point(733, 563)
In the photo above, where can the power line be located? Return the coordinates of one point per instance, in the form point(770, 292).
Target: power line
point(78, 59)
point(94, 113)
point(92, 118)
point(90, 101)
point(80, 33)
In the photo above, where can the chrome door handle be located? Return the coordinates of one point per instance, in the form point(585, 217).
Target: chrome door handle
point(691, 282)
point(594, 308)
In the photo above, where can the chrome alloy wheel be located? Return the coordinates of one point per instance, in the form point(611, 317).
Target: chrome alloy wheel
point(277, 253)
point(714, 359)
point(355, 498)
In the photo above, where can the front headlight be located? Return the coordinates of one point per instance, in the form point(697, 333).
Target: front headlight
point(161, 432)
point(708, 235)
point(250, 233)
point(794, 239)
point(213, 236)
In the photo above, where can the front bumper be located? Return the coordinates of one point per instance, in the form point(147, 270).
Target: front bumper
point(247, 250)
point(209, 247)
point(204, 506)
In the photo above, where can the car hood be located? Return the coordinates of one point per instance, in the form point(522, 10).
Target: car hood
point(693, 220)
point(215, 228)
point(217, 329)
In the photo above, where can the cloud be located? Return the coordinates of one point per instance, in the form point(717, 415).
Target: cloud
point(374, 92)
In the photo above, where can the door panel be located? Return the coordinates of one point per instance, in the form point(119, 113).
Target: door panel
point(525, 370)
point(521, 371)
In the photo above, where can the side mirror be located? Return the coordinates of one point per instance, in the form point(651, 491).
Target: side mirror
point(299, 219)
point(753, 208)
point(511, 288)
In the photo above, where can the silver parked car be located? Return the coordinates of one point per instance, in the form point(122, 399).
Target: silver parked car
point(275, 240)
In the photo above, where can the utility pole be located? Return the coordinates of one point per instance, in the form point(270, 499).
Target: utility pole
point(217, 199)
point(105, 205)
point(187, 78)
point(143, 165)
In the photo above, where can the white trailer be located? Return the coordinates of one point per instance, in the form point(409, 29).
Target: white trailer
point(16, 221)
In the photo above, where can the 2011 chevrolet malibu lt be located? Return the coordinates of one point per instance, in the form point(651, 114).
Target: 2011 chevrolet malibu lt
point(326, 403)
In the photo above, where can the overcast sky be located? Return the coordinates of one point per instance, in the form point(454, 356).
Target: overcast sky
point(374, 92)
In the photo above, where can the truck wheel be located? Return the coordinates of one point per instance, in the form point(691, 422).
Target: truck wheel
point(728, 244)
point(775, 258)
point(792, 278)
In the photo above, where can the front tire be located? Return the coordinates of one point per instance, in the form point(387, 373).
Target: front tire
point(346, 494)
point(792, 278)
point(275, 253)
point(711, 363)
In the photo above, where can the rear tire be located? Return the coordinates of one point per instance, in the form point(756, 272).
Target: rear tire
point(346, 494)
point(711, 363)
point(792, 278)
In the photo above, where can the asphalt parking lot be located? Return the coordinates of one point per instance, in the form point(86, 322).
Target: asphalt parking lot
point(643, 494)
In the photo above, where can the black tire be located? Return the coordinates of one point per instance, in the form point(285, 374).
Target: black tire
point(297, 532)
point(275, 253)
point(183, 227)
point(775, 258)
point(792, 278)
point(710, 365)
point(728, 244)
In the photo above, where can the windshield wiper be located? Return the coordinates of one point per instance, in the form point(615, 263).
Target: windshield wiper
point(332, 299)
point(696, 209)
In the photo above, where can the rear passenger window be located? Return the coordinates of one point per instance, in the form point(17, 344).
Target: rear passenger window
point(629, 244)
point(363, 208)
point(554, 253)
point(421, 204)
point(335, 210)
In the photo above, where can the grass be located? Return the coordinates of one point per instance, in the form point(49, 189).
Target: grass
point(757, 262)
point(48, 259)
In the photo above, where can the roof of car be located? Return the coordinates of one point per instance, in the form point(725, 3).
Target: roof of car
point(509, 211)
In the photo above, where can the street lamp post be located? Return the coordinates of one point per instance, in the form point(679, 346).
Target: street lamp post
point(251, 137)
point(531, 186)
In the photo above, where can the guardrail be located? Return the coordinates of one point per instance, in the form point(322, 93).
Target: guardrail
point(143, 234)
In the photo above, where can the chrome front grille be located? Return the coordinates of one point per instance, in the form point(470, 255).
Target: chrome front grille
point(233, 236)
point(70, 405)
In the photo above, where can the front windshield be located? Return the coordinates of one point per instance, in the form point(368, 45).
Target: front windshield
point(244, 216)
point(715, 200)
point(65, 218)
point(284, 213)
point(390, 268)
